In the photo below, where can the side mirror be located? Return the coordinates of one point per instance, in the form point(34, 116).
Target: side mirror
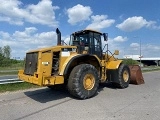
point(116, 52)
point(105, 35)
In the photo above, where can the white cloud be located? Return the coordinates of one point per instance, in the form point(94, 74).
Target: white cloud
point(4, 35)
point(134, 45)
point(150, 50)
point(151, 47)
point(45, 38)
point(24, 34)
point(133, 23)
point(27, 40)
point(11, 11)
point(116, 43)
point(42, 13)
point(120, 39)
point(112, 46)
point(147, 50)
point(152, 24)
point(78, 13)
point(66, 39)
point(136, 23)
point(99, 22)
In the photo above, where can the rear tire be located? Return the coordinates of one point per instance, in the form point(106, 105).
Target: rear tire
point(124, 76)
point(159, 63)
point(83, 81)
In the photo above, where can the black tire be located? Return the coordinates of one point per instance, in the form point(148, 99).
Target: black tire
point(77, 83)
point(123, 76)
point(159, 63)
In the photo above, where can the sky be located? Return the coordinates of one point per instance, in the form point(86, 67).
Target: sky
point(133, 26)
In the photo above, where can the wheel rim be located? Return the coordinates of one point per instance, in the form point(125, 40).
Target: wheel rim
point(88, 81)
point(125, 75)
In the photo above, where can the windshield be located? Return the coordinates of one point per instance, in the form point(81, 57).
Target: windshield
point(78, 39)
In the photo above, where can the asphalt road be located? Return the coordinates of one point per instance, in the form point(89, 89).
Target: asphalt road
point(137, 102)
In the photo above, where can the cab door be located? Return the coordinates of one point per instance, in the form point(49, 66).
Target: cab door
point(96, 45)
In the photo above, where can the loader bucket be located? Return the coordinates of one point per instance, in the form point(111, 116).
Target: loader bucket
point(136, 75)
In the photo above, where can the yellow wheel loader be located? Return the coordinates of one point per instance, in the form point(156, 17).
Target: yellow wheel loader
point(81, 65)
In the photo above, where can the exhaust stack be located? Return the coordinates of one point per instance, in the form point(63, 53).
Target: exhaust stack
point(58, 37)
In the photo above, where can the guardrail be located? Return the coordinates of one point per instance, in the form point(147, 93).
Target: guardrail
point(7, 81)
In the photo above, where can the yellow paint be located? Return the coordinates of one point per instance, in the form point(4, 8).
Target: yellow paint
point(46, 63)
point(54, 48)
point(116, 52)
point(63, 60)
point(103, 70)
point(44, 67)
point(85, 52)
point(64, 63)
point(41, 81)
point(113, 64)
point(125, 75)
point(30, 79)
point(88, 81)
point(53, 80)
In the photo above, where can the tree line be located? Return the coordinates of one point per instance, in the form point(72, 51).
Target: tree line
point(5, 57)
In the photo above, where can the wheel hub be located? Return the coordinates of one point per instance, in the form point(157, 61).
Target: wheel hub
point(125, 76)
point(88, 81)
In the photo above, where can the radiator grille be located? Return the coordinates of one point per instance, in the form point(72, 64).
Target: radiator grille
point(31, 63)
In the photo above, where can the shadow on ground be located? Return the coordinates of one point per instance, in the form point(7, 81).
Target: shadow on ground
point(106, 85)
point(47, 94)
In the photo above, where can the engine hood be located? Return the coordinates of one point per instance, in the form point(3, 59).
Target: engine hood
point(54, 48)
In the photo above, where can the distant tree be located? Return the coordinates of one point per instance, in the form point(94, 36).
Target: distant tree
point(1, 51)
point(1, 55)
point(130, 62)
point(7, 51)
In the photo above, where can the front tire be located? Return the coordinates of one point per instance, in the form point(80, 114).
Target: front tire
point(83, 81)
point(159, 63)
point(123, 76)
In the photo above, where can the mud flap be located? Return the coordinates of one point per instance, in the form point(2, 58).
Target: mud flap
point(136, 75)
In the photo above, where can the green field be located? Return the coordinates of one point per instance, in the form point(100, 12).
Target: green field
point(11, 70)
point(16, 87)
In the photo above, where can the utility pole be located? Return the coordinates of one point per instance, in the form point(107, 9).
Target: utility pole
point(140, 51)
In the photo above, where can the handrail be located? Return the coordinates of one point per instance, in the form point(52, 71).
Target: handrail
point(108, 51)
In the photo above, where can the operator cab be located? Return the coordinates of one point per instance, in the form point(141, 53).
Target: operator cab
point(88, 41)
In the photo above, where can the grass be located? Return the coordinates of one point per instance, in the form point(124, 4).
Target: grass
point(16, 87)
point(10, 68)
point(9, 73)
point(13, 70)
point(150, 68)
